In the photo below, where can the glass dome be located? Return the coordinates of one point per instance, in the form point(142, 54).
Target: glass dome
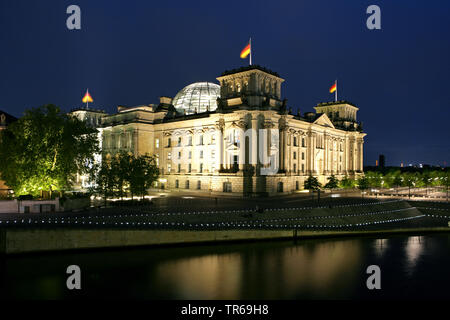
point(197, 96)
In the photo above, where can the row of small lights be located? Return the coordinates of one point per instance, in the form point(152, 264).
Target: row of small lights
point(284, 219)
point(238, 224)
point(265, 226)
point(330, 217)
point(147, 215)
point(241, 211)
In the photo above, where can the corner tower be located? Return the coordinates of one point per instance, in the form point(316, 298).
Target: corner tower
point(251, 87)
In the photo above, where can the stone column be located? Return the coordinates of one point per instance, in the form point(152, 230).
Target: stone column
point(361, 165)
point(326, 144)
point(254, 142)
point(242, 128)
point(219, 144)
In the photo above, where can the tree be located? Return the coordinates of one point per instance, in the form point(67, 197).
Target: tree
point(332, 183)
point(409, 180)
point(142, 174)
point(445, 180)
point(374, 178)
point(363, 184)
point(43, 150)
point(104, 179)
point(312, 184)
point(347, 183)
point(426, 179)
point(123, 172)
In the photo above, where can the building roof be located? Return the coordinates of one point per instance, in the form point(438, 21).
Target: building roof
point(197, 97)
point(86, 109)
point(7, 117)
point(248, 68)
point(330, 103)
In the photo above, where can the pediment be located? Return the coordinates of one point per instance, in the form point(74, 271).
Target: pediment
point(323, 120)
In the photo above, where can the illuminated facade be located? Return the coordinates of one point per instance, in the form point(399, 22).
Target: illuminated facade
point(239, 137)
point(93, 119)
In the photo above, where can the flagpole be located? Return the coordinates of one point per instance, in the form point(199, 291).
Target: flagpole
point(250, 50)
point(335, 92)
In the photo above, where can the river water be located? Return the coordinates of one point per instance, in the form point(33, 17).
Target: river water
point(411, 267)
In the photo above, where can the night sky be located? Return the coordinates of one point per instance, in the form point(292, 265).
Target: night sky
point(132, 52)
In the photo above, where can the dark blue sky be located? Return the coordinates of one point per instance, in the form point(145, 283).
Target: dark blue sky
point(132, 52)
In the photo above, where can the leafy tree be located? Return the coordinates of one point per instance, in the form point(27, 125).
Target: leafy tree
point(125, 172)
point(374, 178)
point(43, 150)
point(397, 182)
point(104, 179)
point(409, 180)
point(426, 179)
point(363, 184)
point(122, 166)
point(347, 183)
point(312, 184)
point(332, 183)
point(445, 180)
point(142, 174)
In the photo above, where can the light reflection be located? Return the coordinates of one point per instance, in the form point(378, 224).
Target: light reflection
point(317, 268)
point(380, 246)
point(413, 248)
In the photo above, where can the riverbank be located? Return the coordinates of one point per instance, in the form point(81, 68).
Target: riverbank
point(138, 227)
point(15, 241)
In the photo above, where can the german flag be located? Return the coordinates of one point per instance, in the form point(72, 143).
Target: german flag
point(333, 88)
point(246, 51)
point(87, 97)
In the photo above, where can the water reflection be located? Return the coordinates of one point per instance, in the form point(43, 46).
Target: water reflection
point(413, 249)
point(380, 246)
point(308, 269)
point(285, 272)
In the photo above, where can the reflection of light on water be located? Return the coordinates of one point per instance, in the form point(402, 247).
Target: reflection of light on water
point(207, 277)
point(414, 248)
point(320, 268)
point(380, 246)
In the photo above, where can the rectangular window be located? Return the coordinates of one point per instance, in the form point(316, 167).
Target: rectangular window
point(190, 141)
point(177, 184)
point(295, 155)
point(295, 168)
point(201, 140)
point(169, 142)
point(157, 143)
point(201, 154)
point(303, 167)
point(227, 187)
point(190, 154)
point(179, 142)
point(303, 142)
point(303, 156)
point(189, 167)
point(179, 154)
point(295, 141)
point(169, 155)
point(201, 167)
point(169, 167)
point(187, 184)
point(179, 168)
point(199, 184)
